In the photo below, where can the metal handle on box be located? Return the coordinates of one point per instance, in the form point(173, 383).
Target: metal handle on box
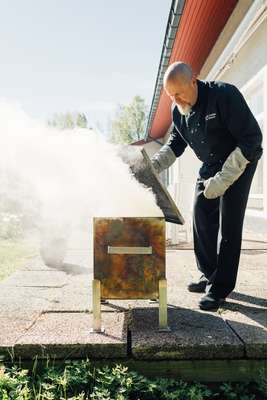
point(129, 250)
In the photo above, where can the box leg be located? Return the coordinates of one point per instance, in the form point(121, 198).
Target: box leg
point(96, 286)
point(163, 310)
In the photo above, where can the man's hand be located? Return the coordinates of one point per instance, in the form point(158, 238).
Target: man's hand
point(232, 169)
point(214, 187)
point(163, 159)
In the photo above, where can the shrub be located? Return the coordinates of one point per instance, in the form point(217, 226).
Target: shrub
point(10, 226)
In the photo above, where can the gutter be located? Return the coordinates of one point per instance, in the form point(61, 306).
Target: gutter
point(175, 14)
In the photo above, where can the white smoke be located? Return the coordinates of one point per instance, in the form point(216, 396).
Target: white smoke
point(66, 177)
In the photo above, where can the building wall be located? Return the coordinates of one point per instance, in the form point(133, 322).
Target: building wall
point(181, 186)
point(226, 35)
point(248, 72)
point(251, 58)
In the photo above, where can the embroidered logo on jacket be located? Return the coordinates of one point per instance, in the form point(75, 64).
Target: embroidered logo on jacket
point(210, 116)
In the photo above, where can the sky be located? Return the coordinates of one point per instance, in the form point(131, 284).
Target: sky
point(80, 55)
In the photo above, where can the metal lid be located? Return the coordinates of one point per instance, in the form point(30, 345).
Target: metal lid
point(146, 174)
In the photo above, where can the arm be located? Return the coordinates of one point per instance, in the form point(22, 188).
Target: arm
point(232, 169)
point(166, 156)
point(242, 125)
point(240, 122)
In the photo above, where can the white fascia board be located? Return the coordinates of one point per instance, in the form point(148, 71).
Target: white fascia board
point(238, 39)
point(254, 80)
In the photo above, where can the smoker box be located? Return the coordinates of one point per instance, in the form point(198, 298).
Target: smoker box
point(129, 256)
point(129, 252)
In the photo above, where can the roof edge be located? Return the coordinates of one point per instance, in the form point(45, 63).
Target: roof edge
point(174, 18)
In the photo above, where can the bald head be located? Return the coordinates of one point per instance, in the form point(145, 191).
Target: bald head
point(181, 86)
point(178, 71)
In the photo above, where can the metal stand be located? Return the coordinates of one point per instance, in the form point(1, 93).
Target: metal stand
point(163, 311)
point(97, 328)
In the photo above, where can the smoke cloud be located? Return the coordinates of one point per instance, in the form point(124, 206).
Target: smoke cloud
point(64, 178)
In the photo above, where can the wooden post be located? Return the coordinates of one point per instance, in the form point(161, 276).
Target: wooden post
point(96, 286)
point(163, 310)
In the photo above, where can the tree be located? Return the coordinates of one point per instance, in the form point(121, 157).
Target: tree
point(81, 121)
point(69, 120)
point(129, 122)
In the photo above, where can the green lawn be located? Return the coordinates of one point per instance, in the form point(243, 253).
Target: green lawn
point(15, 254)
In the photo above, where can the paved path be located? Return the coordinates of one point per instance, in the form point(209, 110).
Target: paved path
point(46, 311)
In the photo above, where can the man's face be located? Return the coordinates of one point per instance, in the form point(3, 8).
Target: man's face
point(184, 94)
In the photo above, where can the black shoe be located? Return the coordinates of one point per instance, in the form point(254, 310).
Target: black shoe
point(199, 286)
point(210, 302)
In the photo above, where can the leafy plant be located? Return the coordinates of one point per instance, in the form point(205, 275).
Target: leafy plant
point(79, 380)
point(236, 391)
point(262, 382)
point(14, 384)
point(10, 226)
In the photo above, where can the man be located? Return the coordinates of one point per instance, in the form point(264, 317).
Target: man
point(215, 121)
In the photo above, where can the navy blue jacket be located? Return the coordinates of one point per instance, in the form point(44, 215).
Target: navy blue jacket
point(219, 122)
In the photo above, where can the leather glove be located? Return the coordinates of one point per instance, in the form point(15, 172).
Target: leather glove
point(163, 159)
point(232, 169)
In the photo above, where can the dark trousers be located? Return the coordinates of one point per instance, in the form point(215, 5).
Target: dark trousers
point(217, 256)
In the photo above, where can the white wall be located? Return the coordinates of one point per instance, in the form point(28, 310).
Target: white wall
point(182, 185)
point(248, 70)
point(250, 59)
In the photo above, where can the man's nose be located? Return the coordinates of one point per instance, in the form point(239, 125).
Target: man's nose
point(177, 99)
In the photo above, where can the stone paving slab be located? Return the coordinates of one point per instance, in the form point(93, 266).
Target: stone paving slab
point(12, 328)
point(75, 296)
point(181, 269)
point(249, 288)
point(35, 264)
point(250, 324)
point(193, 335)
point(37, 288)
point(61, 335)
point(82, 259)
point(16, 301)
point(72, 301)
point(249, 296)
point(254, 244)
point(37, 279)
point(254, 232)
point(249, 243)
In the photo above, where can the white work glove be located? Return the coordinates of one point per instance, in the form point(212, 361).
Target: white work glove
point(232, 169)
point(163, 159)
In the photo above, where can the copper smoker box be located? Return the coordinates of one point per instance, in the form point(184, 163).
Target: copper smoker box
point(129, 252)
point(129, 256)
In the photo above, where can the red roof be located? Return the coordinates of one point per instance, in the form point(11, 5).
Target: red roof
point(200, 25)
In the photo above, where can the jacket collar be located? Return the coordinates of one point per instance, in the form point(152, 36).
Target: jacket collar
point(202, 95)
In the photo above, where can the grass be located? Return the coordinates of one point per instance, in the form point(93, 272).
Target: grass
point(79, 380)
point(15, 254)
